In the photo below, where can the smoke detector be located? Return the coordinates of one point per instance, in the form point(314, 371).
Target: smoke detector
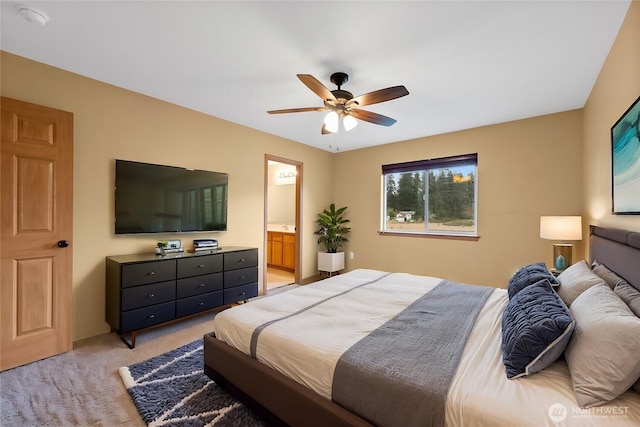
point(32, 15)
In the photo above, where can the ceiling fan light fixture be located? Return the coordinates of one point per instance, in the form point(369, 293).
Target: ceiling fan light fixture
point(331, 122)
point(349, 122)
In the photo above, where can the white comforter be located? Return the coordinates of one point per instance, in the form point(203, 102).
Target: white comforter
point(307, 346)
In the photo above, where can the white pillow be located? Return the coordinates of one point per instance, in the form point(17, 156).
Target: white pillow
point(611, 278)
point(602, 354)
point(630, 295)
point(575, 280)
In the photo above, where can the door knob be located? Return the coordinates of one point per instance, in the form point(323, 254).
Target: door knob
point(63, 244)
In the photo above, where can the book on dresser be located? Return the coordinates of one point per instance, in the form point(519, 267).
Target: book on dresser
point(145, 290)
point(200, 245)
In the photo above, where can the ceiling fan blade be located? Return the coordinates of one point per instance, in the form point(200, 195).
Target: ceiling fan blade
point(370, 117)
point(381, 95)
point(297, 110)
point(317, 87)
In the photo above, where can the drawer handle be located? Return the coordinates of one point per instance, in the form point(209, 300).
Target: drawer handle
point(243, 294)
point(201, 266)
point(242, 277)
point(241, 260)
point(202, 285)
point(151, 273)
point(151, 295)
point(152, 316)
point(201, 304)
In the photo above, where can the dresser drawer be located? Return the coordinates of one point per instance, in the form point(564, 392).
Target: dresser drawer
point(195, 304)
point(240, 293)
point(148, 272)
point(240, 277)
point(199, 265)
point(142, 296)
point(240, 259)
point(147, 316)
point(199, 285)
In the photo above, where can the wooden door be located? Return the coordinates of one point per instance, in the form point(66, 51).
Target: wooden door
point(289, 250)
point(276, 249)
point(35, 229)
point(269, 248)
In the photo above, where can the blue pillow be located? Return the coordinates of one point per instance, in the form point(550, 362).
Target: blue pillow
point(536, 328)
point(527, 276)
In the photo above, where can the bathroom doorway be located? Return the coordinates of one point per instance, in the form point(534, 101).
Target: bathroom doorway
point(283, 178)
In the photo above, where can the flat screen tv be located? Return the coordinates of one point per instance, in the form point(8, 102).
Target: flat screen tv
point(166, 199)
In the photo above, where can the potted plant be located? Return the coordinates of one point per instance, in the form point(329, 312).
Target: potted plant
point(332, 231)
point(161, 246)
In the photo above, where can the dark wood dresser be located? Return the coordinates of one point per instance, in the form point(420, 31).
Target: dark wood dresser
point(148, 290)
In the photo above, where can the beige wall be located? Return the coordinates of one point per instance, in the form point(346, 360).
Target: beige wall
point(281, 200)
point(111, 123)
point(526, 169)
point(618, 85)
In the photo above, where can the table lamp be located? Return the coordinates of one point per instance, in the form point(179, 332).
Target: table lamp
point(561, 228)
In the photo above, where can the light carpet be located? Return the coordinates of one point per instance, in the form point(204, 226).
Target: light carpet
point(172, 390)
point(82, 387)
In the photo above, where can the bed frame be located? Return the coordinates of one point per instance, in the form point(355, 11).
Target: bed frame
point(281, 401)
point(619, 250)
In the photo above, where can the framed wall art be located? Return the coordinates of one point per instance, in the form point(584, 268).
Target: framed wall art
point(625, 162)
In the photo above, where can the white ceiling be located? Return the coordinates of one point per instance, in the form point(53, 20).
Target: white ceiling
point(465, 64)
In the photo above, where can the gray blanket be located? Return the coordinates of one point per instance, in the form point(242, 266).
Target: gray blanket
point(400, 374)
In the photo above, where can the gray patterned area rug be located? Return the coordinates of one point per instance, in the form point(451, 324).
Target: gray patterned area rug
point(172, 390)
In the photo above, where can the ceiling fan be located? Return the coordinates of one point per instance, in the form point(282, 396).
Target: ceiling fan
point(342, 105)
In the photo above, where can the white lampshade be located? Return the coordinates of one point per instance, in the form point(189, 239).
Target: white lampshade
point(331, 122)
point(349, 122)
point(561, 227)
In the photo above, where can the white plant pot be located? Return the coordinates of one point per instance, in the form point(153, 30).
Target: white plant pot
point(330, 262)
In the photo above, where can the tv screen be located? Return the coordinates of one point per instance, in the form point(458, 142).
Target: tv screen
point(166, 199)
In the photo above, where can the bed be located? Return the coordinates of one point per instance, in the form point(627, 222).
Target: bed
point(352, 350)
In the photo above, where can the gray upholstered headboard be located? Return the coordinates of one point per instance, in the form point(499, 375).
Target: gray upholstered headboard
point(619, 250)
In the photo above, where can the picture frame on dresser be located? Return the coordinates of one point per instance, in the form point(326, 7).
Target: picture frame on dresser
point(625, 162)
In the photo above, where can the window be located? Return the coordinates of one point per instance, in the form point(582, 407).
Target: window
point(435, 196)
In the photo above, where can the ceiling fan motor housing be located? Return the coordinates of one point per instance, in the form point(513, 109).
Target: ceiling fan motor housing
point(339, 78)
point(342, 94)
